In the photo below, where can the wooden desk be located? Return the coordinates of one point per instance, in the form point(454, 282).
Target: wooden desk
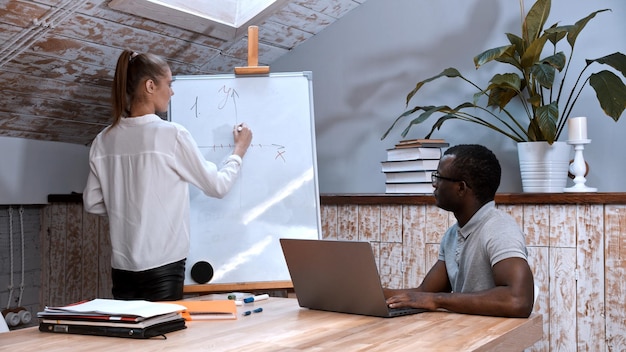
point(283, 325)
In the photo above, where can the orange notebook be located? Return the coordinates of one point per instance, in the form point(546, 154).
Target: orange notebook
point(208, 310)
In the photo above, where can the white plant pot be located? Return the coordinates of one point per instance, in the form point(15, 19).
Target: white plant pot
point(544, 167)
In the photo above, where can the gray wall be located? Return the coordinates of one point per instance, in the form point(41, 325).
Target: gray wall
point(365, 64)
point(31, 169)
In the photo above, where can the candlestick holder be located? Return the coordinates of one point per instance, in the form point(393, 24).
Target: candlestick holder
point(578, 168)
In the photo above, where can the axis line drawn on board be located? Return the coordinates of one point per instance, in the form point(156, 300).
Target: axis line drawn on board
point(280, 149)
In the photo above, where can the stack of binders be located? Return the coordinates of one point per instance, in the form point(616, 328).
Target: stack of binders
point(107, 317)
point(410, 163)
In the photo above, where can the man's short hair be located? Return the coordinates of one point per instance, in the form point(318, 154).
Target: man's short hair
point(478, 167)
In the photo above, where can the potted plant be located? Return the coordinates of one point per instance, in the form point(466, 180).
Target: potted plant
point(536, 86)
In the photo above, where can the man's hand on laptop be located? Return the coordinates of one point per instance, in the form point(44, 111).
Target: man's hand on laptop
point(408, 298)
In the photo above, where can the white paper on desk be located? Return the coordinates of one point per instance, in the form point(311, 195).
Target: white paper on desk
point(138, 308)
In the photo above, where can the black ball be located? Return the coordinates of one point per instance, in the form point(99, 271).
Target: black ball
point(202, 272)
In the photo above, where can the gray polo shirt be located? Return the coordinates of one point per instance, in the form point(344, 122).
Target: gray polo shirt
point(470, 252)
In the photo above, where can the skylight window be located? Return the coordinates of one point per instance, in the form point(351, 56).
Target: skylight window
point(224, 19)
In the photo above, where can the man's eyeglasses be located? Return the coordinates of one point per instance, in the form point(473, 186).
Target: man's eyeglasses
point(435, 177)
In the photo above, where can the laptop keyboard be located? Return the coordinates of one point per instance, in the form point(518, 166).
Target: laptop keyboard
point(401, 311)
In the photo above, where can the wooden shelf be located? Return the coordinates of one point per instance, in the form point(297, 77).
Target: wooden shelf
point(504, 198)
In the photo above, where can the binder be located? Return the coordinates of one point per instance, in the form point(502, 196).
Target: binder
point(158, 329)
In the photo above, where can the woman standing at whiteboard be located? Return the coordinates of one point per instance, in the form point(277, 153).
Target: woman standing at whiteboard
point(140, 168)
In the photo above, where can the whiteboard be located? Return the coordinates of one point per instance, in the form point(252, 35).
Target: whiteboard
point(276, 194)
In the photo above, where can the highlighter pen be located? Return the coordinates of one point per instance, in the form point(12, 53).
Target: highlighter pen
point(258, 310)
point(256, 298)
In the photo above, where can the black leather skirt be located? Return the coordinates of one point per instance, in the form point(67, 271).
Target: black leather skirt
point(164, 283)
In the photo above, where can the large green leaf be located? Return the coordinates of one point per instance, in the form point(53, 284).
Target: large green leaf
point(450, 114)
point(611, 93)
point(428, 111)
point(502, 88)
point(557, 60)
point(448, 72)
point(511, 80)
point(616, 60)
point(555, 34)
point(543, 74)
point(501, 96)
point(506, 51)
point(546, 118)
point(518, 42)
point(535, 20)
point(404, 114)
point(533, 52)
point(578, 26)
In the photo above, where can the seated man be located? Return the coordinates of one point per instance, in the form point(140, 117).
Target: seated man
point(482, 266)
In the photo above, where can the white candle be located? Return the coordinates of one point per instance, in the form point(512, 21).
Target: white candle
point(577, 127)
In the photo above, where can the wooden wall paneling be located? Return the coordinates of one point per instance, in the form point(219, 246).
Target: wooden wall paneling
point(376, 250)
point(391, 264)
point(538, 259)
point(329, 220)
point(562, 228)
point(90, 250)
point(368, 227)
point(58, 245)
point(104, 262)
point(615, 276)
point(347, 221)
point(590, 287)
point(431, 253)
point(437, 222)
point(562, 288)
point(74, 255)
point(391, 223)
point(534, 221)
point(414, 225)
point(516, 211)
point(44, 240)
point(369, 223)
point(580, 265)
point(562, 295)
point(536, 225)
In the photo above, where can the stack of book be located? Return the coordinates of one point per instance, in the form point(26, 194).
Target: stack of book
point(410, 163)
point(107, 317)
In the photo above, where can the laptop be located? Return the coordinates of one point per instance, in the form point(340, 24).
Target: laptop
point(337, 276)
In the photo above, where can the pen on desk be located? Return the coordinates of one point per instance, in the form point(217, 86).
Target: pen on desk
point(256, 298)
point(248, 312)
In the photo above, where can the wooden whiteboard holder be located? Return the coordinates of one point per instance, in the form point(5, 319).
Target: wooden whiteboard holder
point(253, 67)
point(237, 287)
